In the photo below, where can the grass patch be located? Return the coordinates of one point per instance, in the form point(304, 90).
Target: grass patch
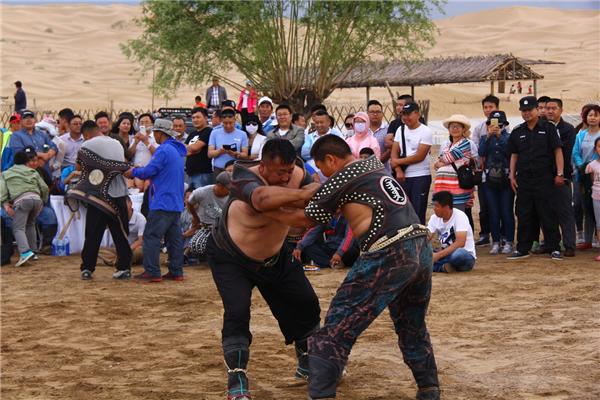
point(49, 30)
point(118, 24)
point(86, 82)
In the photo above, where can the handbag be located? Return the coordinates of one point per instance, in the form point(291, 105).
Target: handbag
point(466, 179)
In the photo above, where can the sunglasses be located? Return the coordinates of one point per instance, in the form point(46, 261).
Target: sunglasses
point(348, 125)
point(251, 123)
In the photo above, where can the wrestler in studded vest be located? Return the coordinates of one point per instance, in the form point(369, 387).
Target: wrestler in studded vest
point(392, 212)
point(96, 176)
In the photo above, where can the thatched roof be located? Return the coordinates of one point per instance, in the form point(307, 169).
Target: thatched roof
point(444, 70)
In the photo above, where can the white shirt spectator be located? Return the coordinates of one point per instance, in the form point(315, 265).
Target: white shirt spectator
point(446, 231)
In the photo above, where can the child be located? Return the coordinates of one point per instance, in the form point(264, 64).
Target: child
point(365, 152)
point(23, 193)
point(593, 168)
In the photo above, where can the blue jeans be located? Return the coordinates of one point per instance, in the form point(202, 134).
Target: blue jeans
point(200, 180)
point(46, 219)
point(501, 206)
point(163, 223)
point(460, 259)
point(417, 190)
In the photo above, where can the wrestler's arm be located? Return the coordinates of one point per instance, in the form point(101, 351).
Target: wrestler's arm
point(293, 218)
point(269, 198)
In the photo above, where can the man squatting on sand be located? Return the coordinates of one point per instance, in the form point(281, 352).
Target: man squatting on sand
point(394, 270)
point(248, 249)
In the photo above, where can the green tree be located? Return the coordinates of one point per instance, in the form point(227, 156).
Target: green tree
point(296, 52)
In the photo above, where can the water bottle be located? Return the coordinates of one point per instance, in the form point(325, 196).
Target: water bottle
point(67, 245)
point(60, 248)
point(54, 246)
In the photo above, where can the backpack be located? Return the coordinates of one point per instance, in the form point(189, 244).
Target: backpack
point(496, 175)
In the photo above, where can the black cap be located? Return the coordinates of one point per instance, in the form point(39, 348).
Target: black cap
point(27, 113)
point(500, 116)
point(228, 103)
point(528, 103)
point(410, 107)
point(30, 151)
point(251, 118)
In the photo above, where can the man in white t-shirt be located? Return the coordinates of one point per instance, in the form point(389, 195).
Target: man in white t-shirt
point(412, 166)
point(455, 235)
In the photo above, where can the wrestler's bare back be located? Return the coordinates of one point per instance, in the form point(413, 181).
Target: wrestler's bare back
point(258, 236)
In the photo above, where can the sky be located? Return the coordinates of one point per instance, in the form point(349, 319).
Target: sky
point(452, 7)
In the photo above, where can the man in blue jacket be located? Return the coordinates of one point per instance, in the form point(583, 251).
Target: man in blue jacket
point(166, 175)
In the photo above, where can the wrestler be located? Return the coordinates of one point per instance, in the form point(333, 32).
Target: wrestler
point(247, 249)
point(104, 188)
point(394, 270)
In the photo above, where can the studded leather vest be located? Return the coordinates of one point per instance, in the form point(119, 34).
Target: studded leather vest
point(365, 182)
point(96, 176)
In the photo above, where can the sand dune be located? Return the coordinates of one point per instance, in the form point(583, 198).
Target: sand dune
point(68, 55)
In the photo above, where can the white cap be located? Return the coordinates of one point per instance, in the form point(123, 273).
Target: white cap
point(265, 99)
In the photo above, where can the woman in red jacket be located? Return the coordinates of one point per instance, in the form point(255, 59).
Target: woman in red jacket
point(248, 100)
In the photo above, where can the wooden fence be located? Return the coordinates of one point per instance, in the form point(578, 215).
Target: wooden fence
point(339, 111)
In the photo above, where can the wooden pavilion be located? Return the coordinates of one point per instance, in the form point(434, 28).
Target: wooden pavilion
point(446, 70)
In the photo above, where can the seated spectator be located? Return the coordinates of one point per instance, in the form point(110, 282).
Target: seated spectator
point(137, 224)
point(340, 249)
point(499, 195)
point(72, 140)
point(68, 179)
point(362, 138)
point(455, 235)
point(205, 204)
point(365, 152)
point(22, 194)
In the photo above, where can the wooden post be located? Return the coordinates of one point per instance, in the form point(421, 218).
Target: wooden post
point(368, 94)
point(112, 110)
point(492, 87)
point(412, 91)
point(535, 88)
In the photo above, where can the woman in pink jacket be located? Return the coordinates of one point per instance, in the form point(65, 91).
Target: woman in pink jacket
point(248, 100)
point(362, 138)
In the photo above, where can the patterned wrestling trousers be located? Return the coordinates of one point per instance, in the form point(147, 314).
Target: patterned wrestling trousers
point(397, 277)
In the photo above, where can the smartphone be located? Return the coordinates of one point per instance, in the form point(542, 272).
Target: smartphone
point(143, 130)
point(494, 122)
point(312, 125)
point(227, 146)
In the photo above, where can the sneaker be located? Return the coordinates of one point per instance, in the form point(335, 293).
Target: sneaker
point(595, 243)
point(585, 246)
point(580, 237)
point(122, 274)
point(147, 278)
point(86, 275)
point(483, 241)
point(495, 248)
point(508, 248)
point(35, 257)
point(448, 268)
point(311, 267)
point(517, 254)
point(24, 258)
point(169, 277)
point(569, 252)
point(557, 255)
point(536, 245)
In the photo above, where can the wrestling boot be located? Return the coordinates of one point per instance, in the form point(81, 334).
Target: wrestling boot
point(324, 375)
point(427, 381)
point(301, 346)
point(237, 353)
point(47, 235)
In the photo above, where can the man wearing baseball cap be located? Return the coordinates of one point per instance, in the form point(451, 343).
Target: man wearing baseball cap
point(536, 166)
point(167, 176)
point(29, 136)
point(265, 111)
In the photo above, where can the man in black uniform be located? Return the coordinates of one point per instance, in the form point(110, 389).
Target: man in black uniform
point(248, 249)
point(563, 195)
point(536, 165)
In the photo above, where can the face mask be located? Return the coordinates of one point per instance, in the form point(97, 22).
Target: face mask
point(360, 127)
point(350, 132)
point(251, 129)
